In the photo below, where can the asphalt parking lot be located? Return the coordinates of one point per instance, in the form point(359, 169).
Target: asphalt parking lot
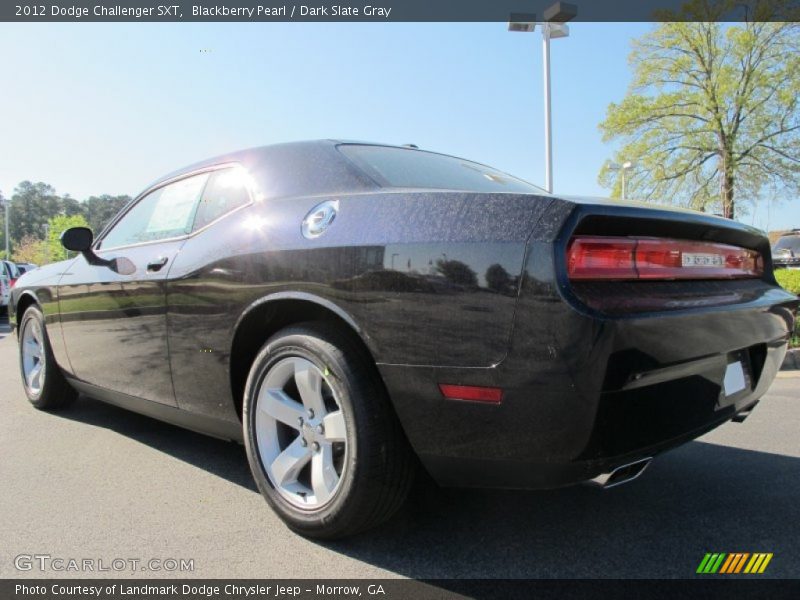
point(101, 483)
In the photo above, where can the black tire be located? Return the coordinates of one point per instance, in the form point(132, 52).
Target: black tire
point(54, 393)
point(378, 465)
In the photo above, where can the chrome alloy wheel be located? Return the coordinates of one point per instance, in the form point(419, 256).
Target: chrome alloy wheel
point(301, 433)
point(33, 356)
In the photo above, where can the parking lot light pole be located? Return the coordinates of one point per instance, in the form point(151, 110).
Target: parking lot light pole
point(6, 202)
point(553, 27)
point(626, 166)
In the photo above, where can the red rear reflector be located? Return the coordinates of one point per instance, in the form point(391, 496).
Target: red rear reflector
point(656, 258)
point(471, 392)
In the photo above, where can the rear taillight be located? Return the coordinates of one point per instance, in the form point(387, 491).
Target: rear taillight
point(595, 257)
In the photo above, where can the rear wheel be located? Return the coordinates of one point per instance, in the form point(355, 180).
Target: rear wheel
point(323, 442)
point(42, 380)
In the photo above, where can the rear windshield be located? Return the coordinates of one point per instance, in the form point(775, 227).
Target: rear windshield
point(410, 168)
point(792, 242)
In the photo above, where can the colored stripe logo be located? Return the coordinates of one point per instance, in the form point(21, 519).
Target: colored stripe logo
point(733, 563)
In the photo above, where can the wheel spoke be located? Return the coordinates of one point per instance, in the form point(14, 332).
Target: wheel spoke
point(30, 349)
point(34, 376)
point(305, 470)
point(323, 474)
point(278, 405)
point(335, 430)
point(288, 464)
point(36, 334)
point(309, 384)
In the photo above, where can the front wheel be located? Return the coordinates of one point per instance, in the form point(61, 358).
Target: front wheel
point(42, 380)
point(324, 444)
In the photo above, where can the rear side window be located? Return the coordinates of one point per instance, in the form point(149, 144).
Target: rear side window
point(164, 213)
point(225, 191)
point(410, 168)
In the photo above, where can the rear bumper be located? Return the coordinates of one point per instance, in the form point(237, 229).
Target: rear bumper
point(585, 394)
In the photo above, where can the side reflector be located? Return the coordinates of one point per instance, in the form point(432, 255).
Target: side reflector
point(472, 392)
point(593, 258)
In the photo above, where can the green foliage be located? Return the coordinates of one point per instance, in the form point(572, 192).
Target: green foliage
point(32, 205)
point(789, 279)
point(712, 113)
point(56, 226)
point(35, 206)
point(99, 210)
point(30, 250)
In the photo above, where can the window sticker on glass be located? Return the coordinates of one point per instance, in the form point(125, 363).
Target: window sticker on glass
point(173, 211)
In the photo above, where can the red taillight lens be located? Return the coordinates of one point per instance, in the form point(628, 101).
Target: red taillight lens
point(471, 392)
point(601, 258)
point(595, 258)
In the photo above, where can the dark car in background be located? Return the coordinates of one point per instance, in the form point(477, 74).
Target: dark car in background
point(786, 251)
point(348, 311)
point(25, 267)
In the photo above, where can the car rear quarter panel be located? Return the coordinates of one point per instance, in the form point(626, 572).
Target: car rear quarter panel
point(429, 278)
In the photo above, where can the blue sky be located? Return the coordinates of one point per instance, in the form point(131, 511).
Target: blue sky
point(97, 108)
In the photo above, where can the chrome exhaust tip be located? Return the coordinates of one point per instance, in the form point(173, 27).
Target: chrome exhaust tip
point(622, 474)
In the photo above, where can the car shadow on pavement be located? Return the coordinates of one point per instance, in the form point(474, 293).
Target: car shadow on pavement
point(222, 458)
point(699, 498)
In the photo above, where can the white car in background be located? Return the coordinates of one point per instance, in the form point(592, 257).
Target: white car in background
point(9, 273)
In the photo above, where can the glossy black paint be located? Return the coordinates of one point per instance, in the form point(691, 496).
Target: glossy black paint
point(175, 343)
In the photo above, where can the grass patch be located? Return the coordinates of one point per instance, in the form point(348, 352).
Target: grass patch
point(790, 281)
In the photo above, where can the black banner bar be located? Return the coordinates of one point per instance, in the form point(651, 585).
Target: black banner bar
point(709, 587)
point(398, 10)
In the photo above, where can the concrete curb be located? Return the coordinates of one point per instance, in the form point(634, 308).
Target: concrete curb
point(792, 360)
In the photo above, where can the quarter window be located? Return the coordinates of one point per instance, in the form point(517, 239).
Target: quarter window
point(163, 213)
point(226, 191)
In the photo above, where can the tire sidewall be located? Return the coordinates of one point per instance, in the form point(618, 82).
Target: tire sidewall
point(34, 314)
point(325, 356)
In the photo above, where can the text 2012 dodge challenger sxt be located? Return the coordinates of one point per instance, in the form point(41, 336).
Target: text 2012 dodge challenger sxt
point(349, 309)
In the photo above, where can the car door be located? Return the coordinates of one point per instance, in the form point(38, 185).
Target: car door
point(114, 320)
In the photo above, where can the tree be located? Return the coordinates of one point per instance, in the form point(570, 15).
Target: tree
point(29, 250)
point(457, 272)
point(712, 113)
point(498, 279)
point(70, 206)
point(32, 205)
point(99, 210)
point(53, 249)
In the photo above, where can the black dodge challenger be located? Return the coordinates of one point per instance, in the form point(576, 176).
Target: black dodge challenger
point(351, 310)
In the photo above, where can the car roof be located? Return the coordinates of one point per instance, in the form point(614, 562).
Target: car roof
point(305, 168)
point(291, 168)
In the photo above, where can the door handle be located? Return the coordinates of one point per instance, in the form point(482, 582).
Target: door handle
point(156, 264)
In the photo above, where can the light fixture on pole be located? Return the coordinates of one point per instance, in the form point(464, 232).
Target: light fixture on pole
point(622, 168)
point(553, 27)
